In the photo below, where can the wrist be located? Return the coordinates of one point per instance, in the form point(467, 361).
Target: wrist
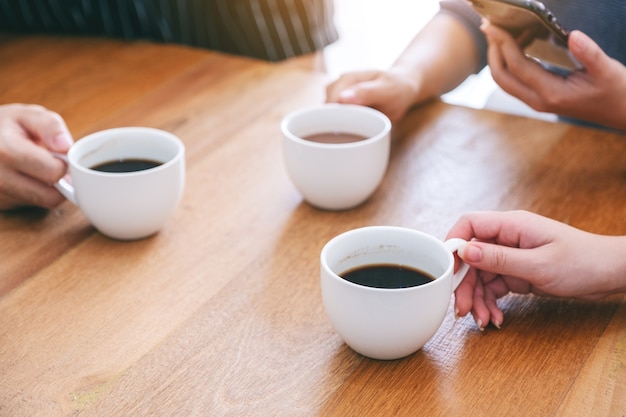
point(620, 268)
point(613, 264)
point(412, 81)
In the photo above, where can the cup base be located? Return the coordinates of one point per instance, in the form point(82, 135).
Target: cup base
point(327, 207)
point(385, 357)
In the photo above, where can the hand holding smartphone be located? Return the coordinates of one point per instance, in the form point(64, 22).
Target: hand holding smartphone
point(537, 30)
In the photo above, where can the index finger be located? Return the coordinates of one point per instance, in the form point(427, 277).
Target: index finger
point(45, 127)
point(33, 161)
point(483, 225)
point(501, 227)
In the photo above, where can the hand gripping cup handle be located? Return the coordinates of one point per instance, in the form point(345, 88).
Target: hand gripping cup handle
point(63, 186)
point(454, 245)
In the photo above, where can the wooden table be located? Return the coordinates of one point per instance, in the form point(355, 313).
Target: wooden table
point(221, 314)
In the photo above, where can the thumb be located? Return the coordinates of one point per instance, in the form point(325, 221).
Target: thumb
point(587, 52)
point(497, 259)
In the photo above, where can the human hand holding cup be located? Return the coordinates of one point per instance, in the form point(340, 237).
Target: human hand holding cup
point(336, 154)
point(127, 181)
point(384, 315)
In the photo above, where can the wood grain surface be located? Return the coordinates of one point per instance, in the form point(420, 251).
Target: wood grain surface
point(220, 313)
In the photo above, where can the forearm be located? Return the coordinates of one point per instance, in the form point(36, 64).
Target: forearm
point(596, 264)
point(441, 56)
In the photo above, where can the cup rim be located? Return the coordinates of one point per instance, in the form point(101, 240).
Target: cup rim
point(335, 277)
point(374, 138)
point(73, 159)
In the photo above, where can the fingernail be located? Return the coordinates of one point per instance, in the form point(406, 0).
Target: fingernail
point(578, 41)
point(497, 324)
point(348, 95)
point(479, 323)
point(470, 253)
point(63, 141)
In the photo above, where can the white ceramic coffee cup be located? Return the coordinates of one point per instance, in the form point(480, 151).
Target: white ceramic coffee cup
point(130, 205)
point(383, 323)
point(336, 176)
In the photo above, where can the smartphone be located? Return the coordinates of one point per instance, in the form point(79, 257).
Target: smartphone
point(536, 29)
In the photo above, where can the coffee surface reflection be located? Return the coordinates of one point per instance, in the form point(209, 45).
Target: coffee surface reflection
point(126, 165)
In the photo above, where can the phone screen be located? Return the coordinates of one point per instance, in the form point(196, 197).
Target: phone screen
point(536, 29)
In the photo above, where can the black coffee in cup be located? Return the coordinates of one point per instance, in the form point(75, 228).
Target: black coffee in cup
point(387, 276)
point(334, 137)
point(126, 165)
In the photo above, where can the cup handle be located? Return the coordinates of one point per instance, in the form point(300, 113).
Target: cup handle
point(63, 186)
point(454, 245)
